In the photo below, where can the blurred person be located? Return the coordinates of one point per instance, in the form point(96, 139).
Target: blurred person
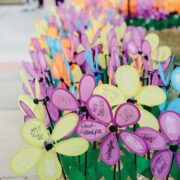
point(41, 3)
point(59, 1)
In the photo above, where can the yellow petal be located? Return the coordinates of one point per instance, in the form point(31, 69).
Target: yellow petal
point(120, 30)
point(37, 109)
point(72, 147)
point(49, 168)
point(102, 61)
point(148, 119)
point(65, 125)
point(113, 94)
point(127, 79)
point(161, 54)
point(77, 73)
point(34, 132)
point(26, 82)
point(49, 60)
point(153, 39)
point(151, 96)
point(25, 159)
point(37, 87)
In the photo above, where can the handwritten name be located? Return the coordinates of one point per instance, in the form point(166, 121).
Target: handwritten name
point(36, 132)
point(110, 149)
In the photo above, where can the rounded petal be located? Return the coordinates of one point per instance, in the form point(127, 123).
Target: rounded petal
point(77, 73)
point(169, 122)
point(151, 96)
point(37, 88)
point(65, 125)
point(161, 163)
point(100, 109)
point(113, 94)
point(31, 109)
point(110, 150)
point(127, 114)
point(34, 132)
point(154, 139)
point(132, 48)
point(153, 39)
point(127, 79)
point(25, 159)
point(175, 79)
point(91, 130)
point(133, 142)
point(64, 100)
point(148, 119)
point(29, 69)
point(72, 147)
point(49, 167)
point(102, 61)
point(86, 87)
point(146, 48)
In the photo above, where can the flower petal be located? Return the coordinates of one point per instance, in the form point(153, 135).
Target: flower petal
point(133, 142)
point(169, 122)
point(49, 167)
point(154, 139)
point(127, 114)
point(100, 109)
point(25, 159)
point(64, 100)
point(110, 150)
point(86, 87)
point(91, 130)
point(65, 125)
point(72, 147)
point(113, 94)
point(151, 96)
point(127, 79)
point(161, 163)
point(34, 132)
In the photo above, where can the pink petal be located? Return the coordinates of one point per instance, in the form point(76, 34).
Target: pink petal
point(64, 100)
point(127, 114)
point(91, 130)
point(161, 163)
point(109, 150)
point(100, 109)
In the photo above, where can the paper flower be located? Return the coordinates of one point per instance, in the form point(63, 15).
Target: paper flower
point(42, 148)
point(105, 125)
point(129, 89)
point(167, 143)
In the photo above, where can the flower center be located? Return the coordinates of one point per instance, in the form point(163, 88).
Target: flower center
point(48, 145)
point(173, 148)
point(113, 129)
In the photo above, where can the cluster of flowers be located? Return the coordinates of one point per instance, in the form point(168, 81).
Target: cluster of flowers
point(93, 80)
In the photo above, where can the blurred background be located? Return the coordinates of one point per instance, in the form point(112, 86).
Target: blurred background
point(17, 18)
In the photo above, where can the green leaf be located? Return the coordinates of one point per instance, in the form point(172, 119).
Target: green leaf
point(75, 174)
point(175, 173)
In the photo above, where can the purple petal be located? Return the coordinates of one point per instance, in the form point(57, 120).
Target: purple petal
point(91, 130)
point(136, 37)
point(26, 109)
point(29, 69)
point(36, 44)
point(86, 87)
point(109, 150)
point(142, 32)
point(146, 48)
point(96, 36)
point(100, 109)
point(54, 113)
point(42, 60)
point(177, 156)
point(127, 114)
point(35, 60)
point(80, 58)
point(161, 164)
point(133, 142)
point(153, 139)
point(132, 48)
point(64, 100)
point(169, 122)
point(85, 41)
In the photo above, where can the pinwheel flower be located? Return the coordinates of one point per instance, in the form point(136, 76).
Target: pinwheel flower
point(65, 100)
point(105, 125)
point(42, 149)
point(166, 142)
point(129, 89)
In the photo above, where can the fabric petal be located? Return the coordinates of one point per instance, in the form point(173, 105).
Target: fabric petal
point(25, 159)
point(72, 147)
point(110, 150)
point(65, 125)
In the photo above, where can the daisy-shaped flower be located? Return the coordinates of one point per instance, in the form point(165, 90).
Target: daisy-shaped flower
point(42, 147)
point(167, 142)
point(108, 127)
point(129, 89)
